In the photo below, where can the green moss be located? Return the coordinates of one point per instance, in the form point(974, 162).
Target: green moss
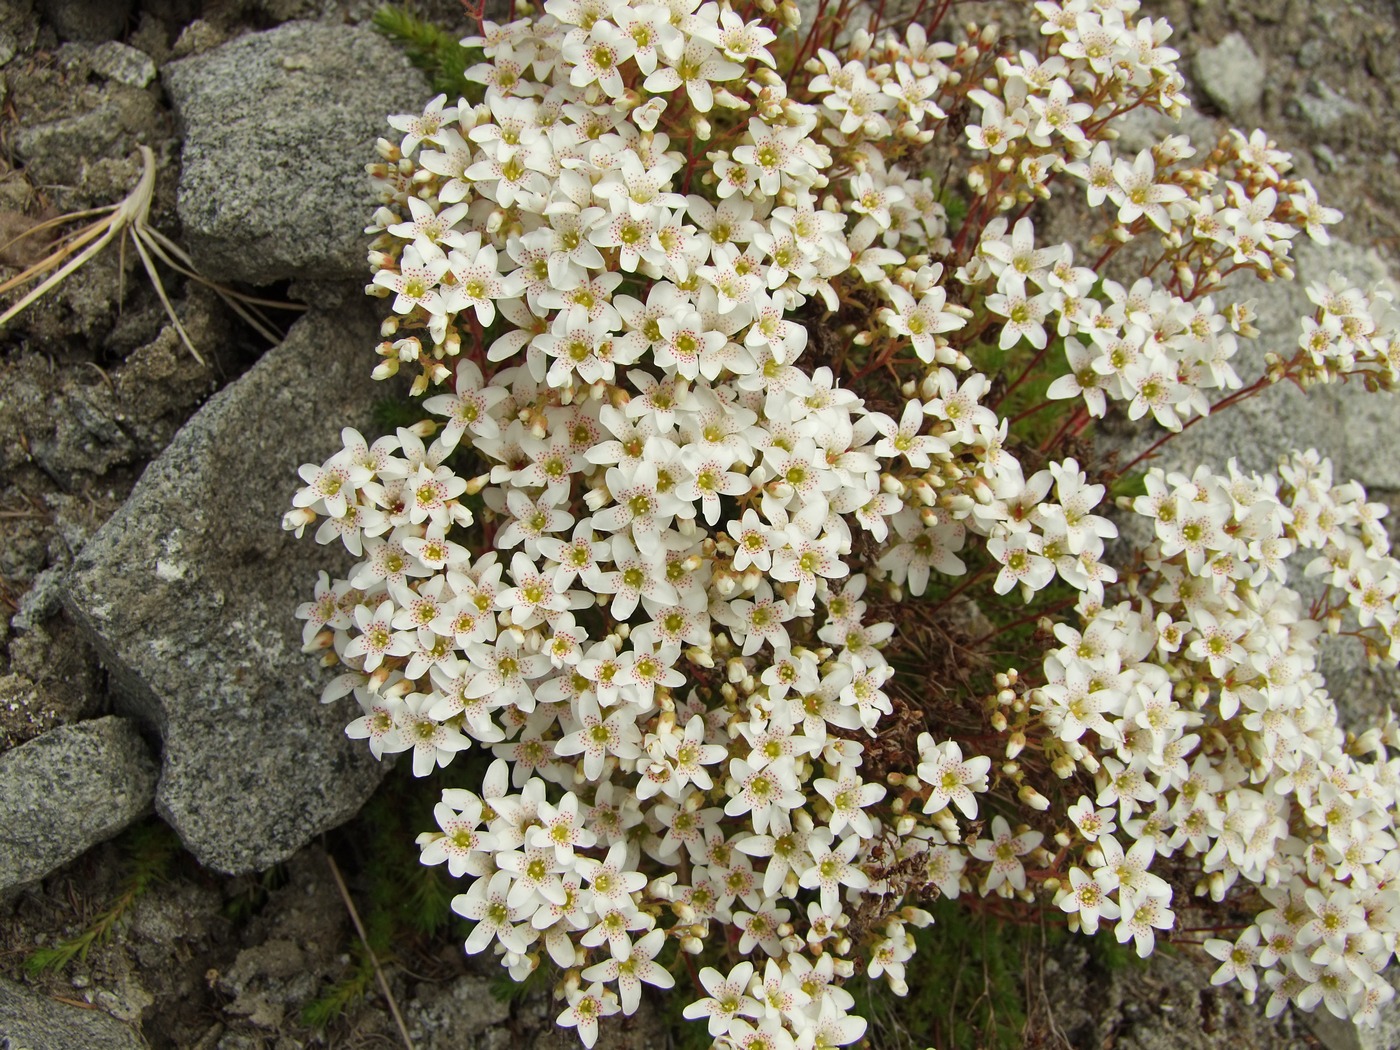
point(390, 413)
point(966, 986)
point(149, 852)
point(1042, 418)
point(954, 205)
point(403, 904)
point(435, 51)
point(1132, 485)
point(250, 896)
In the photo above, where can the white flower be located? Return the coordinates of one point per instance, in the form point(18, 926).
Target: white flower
point(416, 282)
point(831, 869)
point(586, 1006)
point(1140, 915)
point(1138, 192)
point(630, 973)
point(950, 777)
point(695, 67)
point(728, 998)
point(848, 796)
point(1087, 900)
point(1004, 851)
point(1237, 960)
point(486, 903)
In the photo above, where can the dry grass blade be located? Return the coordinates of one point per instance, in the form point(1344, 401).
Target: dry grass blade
point(104, 230)
point(170, 253)
point(130, 216)
point(373, 959)
point(164, 299)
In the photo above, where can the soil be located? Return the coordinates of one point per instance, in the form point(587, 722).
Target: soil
point(94, 382)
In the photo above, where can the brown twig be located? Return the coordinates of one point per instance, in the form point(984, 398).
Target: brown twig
point(373, 959)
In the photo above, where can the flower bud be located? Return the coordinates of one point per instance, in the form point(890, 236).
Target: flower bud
point(1033, 798)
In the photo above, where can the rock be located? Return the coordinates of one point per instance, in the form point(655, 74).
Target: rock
point(57, 151)
point(67, 790)
point(36, 1022)
point(126, 65)
point(1360, 431)
point(1311, 53)
point(27, 710)
point(188, 594)
point(1326, 156)
point(88, 20)
point(297, 940)
point(1231, 75)
point(41, 600)
point(442, 1017)
point(1322, 106)
point(278, 128)
point(1144, 128)
point(196, 38)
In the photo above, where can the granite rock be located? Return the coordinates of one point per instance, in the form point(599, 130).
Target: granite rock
point(278, 127)
point(123, 63)
point(188, 595)
point(1357, 429)
point(36, 1022)
point(88, 20)
point(67, 790)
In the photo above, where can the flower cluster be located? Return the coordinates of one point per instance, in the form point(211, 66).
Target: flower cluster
point(713, 430)
point(1215, 737)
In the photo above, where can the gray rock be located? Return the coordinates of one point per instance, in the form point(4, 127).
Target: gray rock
point(441, 1015)
point(188, 594)
point(41, 600)
point(1359, 431)
point(278, 129)
point(196, 38)
point(58, 151)
point(124, 64)
point(1231, 75)
point(87, 20)
point(1143, 128)
point(67, 790)
point(1311, 54)
point(1322, 106)
point(36, 1022)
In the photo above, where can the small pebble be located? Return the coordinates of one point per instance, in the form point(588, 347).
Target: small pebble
point(124, 64)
